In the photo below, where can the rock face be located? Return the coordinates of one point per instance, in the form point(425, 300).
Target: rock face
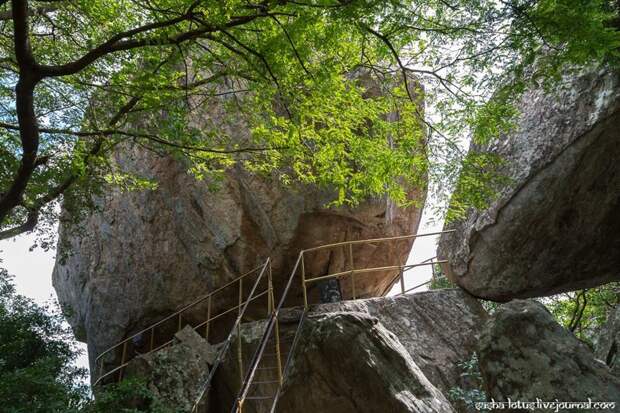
point(555, 227)
point(608, 343)
point(175, 375)
point(526, 355)
point(438, 328)
point(350, 363)
point(399, 344)
point(146, 253)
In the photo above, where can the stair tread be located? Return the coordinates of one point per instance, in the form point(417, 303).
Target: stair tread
point(255, 383)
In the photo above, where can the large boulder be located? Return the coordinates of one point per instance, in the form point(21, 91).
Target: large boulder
point(142, 254)
point(348, 362)
point(526, 355)
point(607, 347)
point(555, 226)
point(439, 329)
point(150, 252)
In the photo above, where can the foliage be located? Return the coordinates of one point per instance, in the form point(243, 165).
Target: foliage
point(584, 312)
point(489, 306)
point(37, 369)
point(36, 358)
point(128, 396)
point(471, 392)
point(82, 78)
point(439, 279)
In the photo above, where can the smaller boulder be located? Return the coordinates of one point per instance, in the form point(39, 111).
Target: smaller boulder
point(526, 355)
point(177, 374)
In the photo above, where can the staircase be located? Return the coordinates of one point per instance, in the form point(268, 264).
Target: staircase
point(249, 287)
point(265, 376)
point(267, 372)
point(260, 381)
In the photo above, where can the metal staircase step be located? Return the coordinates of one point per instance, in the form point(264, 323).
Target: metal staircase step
point(256, 383)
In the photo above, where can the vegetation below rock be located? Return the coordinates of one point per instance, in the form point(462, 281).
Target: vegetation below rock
point(37, 365)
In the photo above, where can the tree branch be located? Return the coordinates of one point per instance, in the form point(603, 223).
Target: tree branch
point(31, 222)
point(125, 41)
point(39, 11)
point(147, 136)
point(24, 105)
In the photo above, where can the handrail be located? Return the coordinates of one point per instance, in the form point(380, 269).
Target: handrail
point(353, 271)
point(374, 269)
point(218, 360)
point(243, 392)
point(123, 344)
point(398, 275)
point(289, 358)
point(273, 321)
point(167, 343)
point(374, 240)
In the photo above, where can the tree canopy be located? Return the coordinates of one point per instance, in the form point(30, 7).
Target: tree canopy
point(81, 77)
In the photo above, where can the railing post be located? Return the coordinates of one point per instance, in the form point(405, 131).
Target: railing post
point(270, 297)
point(352, 270)
point(239, 349)
point(179, 324)
point(123, 357)
point(152, 340)
point(100, 369)
point(303, 281)
point(402, 281)
point(278, 354)
point(208, 318)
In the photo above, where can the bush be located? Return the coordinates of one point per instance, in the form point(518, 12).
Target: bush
point(466, 397)
point(37, 369)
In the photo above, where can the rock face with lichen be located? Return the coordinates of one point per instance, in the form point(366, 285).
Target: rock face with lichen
point(175, 375)
point(555, 227)
point(439, 329)
point(145, 253)
point(526, 355)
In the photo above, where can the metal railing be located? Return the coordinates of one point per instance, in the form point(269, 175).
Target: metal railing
point(352, 272)
point(111, 363)
point(235, 331)
point(121, 354)
point(272, 330)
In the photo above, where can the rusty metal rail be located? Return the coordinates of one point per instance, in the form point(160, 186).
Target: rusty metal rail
point(235, 331)
point(123, 347)
point(272, 329)
point(352, 272)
